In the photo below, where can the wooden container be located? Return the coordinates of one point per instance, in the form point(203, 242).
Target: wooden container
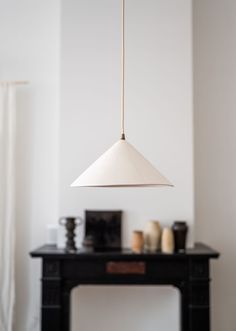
point(137, 242)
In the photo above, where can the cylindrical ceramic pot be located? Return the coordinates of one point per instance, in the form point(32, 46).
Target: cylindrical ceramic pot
point(167, 241)
point(137, 242)
point(180, 230)
point(152, 236)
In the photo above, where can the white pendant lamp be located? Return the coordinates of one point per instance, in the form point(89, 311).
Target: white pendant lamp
point(121, 165)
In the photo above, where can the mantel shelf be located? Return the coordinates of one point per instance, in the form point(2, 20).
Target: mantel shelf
point(199, 249)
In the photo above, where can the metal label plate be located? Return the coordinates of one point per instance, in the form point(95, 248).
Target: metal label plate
point(126, 268)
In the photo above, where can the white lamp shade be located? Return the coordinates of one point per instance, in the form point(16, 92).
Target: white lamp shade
point(121, 165)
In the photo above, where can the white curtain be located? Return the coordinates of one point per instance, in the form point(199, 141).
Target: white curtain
point(7, 204)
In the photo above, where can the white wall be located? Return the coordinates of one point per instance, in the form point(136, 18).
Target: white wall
point(159, 124)
point(29, 50)
point(215, 136)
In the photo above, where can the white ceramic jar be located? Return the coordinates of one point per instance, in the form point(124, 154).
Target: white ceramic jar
point(152, 236)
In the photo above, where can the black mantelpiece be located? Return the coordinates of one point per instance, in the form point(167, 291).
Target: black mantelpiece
point(188, 271)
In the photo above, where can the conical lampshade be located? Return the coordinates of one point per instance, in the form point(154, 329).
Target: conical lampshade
point(121, 165)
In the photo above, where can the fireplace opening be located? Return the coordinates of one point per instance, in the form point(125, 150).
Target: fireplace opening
point(125, 308)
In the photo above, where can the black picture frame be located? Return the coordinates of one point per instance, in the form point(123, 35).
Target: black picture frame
point(104, 227)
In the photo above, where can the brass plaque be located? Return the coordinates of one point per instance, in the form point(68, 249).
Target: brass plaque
point(126, 268)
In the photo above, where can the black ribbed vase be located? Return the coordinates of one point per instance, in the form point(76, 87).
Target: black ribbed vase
point(180, 230)
point(70, 224)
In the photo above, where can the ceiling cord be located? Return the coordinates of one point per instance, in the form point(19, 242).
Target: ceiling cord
point(123, 69)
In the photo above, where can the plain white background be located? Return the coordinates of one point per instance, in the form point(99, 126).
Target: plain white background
point(159, 82)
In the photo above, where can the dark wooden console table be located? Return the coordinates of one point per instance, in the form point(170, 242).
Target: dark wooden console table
point(189, 272)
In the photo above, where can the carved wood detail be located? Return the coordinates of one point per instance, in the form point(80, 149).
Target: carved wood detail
point(199, 269)
point(51, 268)
point(51, 293)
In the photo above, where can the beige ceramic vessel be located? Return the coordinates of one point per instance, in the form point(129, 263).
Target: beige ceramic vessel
point(167, 241)
point(152, 236)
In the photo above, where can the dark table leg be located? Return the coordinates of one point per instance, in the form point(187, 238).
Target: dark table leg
point(51, 305)
point(65, 304)
point(55, 299)
point(199, 306)
point(195, 308)
point(199, 298)
point(184, 305)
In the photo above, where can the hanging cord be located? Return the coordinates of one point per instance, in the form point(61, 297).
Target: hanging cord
point(123, 69)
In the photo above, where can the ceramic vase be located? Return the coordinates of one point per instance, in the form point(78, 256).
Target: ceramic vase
point(167, 241)
point(180, 230)
point(137, 242)
point(70, 224)
point(152, 236)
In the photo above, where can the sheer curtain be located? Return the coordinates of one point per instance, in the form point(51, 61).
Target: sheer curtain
point(7, 204)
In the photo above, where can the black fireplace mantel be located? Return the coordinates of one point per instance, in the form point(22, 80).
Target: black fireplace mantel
point(189, 272)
